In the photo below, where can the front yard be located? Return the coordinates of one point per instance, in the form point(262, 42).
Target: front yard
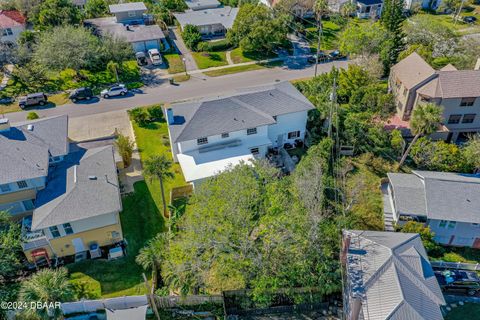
point(141, 221)
point(210, 59)
point(329, 36)
point(174, 63)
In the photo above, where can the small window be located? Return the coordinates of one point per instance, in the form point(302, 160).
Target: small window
point(225, 135)
point(201, 141)
point(251, 131)
point(467, 102)
point(442, 223)
point(476, 225)
point(132, 14)
point(68, 228)
point(5, 187)
point(275, 118)
point(468, 118)
point(22, 184)
point(28, 204)
point(54, 231)
point(452, 224)
point(454, 118)
point(7, 32)
point(255, 151)
point(293, 134)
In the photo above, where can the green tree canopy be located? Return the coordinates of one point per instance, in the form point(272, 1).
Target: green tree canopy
point(53, 13)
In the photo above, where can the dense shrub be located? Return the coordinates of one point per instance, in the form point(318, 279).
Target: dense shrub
point(191, 36)
point(32, 116)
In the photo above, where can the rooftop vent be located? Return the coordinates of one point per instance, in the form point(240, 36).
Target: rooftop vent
point(30, 127)
point(92, 177)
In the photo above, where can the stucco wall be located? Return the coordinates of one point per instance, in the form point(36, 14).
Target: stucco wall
point(465, 233)
point(287, 123)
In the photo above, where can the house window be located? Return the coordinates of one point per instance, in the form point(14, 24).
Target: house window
point(454, 118)
point(132, 14)
point(7, 32)
point(293, 134)
point(68, 228)
point(442, 223)
point(452, 224)
point(5, 187)
point(28, 204)
point(468, 118)
point(255, 151)
point(275, 118)
point(225, 135)
point(476, 225)
point(251, 131)
point(201, 141)
point(467, 102)
point(22, 184)
point(54, 231)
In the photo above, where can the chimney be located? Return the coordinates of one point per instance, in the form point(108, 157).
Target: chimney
point(170, 117)
point(477, 65)
point(4, 125)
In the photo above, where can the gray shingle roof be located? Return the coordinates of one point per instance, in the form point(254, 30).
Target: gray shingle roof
point(224, 16)
point(25, 153)
point(412, 70)
point(196, 4)
point(128, 6)
point(137, 33)
point(438, 195)
point(72, 195)
point(249, 108)
point(390, 273)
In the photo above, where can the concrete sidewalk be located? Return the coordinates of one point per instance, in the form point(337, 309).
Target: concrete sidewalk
point(174, 34)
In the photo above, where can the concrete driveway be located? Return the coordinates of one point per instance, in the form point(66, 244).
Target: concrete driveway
point(99, 126)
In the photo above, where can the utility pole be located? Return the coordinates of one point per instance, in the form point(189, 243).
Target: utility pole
point(458, 13)
point(151, 297)
point(319, 27)
point(333, 100)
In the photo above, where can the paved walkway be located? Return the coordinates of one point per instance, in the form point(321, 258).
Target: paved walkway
point(174, 34)
point(229, 57)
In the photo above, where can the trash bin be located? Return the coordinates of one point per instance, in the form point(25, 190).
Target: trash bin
point(171, 80)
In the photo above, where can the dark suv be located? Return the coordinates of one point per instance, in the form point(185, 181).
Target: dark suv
point(81, 94)
point(459, 280)
point(32, 99)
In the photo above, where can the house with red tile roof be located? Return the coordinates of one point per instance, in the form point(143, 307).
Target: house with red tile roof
point(12, 23)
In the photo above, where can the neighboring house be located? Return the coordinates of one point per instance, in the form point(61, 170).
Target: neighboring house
point(209, 136)
point(133, 24)
point(299, 8)
point(369, 9)
point(212, 23)
point(202, 4)
point(413, 82)
point(387, 275)
point(79, 3)
point(12, 23)
point(447, 202)
point(68, 201)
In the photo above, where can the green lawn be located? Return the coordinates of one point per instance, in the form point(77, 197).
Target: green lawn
point(238, 56)
point(141, 220)
point(174, 63)
point(446, 20)
point(467, 311)
point(210, 59)
point(329, 35)
point(237, 69)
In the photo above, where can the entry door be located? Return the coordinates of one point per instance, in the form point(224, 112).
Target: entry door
point(78, 244)
point(280, 140)
point(476, 243)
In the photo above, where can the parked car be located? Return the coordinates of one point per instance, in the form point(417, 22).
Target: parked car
point(155, 56)
point(81, 94)
point(336, 55)
point(322, 57)
point(459, 280)
point(6, 100)
point(33, 99)
point(469, 19)
point(141, 58)
point(116, 90)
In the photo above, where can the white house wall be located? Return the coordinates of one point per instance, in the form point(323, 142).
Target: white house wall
point(288, 123)
point(14, 36)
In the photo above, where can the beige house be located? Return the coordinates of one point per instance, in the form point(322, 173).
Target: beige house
point(67, 201)
point(413, 81)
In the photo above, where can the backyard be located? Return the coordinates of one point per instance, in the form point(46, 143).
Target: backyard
point(467, 311)
point(141, 220)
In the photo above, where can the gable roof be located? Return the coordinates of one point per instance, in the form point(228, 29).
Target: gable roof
point(224, 16)
point(431, 194)
point(128, 6)
point(11, 18)
point(248, 108)
point(390, 273)
point(135, 33)
point(25, 153)
point(412, 70)
point(84, 185)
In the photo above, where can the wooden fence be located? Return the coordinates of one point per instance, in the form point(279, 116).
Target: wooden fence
point(190, 300)
point(181, 192)
point(456, 265)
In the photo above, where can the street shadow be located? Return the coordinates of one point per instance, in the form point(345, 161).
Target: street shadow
point(90, 101)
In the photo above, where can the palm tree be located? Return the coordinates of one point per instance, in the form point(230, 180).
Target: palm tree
point(48, 286)
point(425, 120)
point(150, 258)
point(159, 166)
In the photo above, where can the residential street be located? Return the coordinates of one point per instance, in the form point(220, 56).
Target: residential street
point(198, 86)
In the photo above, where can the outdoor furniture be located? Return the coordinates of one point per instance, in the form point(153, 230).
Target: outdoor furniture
point(115, 253)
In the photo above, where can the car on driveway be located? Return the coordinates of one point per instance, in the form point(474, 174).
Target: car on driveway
point(322, 57)
point(155, 57)
point(459, 280)
point(469, 19)
point(81, 94)
point(141, 58)
point(336, 55)
point(116, 90)
point(33, 99)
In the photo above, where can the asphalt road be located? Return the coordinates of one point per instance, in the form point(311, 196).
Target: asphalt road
point(162, 92)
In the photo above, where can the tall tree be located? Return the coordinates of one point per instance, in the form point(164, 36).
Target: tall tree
point(53, 13)
point(48, 286)
point(125, 147)
point(425, 120)
point(392, 19)
point(159, 167)
point(471, 152)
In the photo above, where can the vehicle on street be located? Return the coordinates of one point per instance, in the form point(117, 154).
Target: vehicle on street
point(469, 19)
point(322, 57)
point(33, 99)
point(155, 56)
point(81, 94)
point(336, 55)
point(116, 90)
point(459, 280)
point(141, 58)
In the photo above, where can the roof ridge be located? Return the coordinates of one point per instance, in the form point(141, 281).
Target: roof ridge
point(251, 108)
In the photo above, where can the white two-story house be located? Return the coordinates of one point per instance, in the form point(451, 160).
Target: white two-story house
point(209, 135)
point(12, 23)
point(447, 202)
